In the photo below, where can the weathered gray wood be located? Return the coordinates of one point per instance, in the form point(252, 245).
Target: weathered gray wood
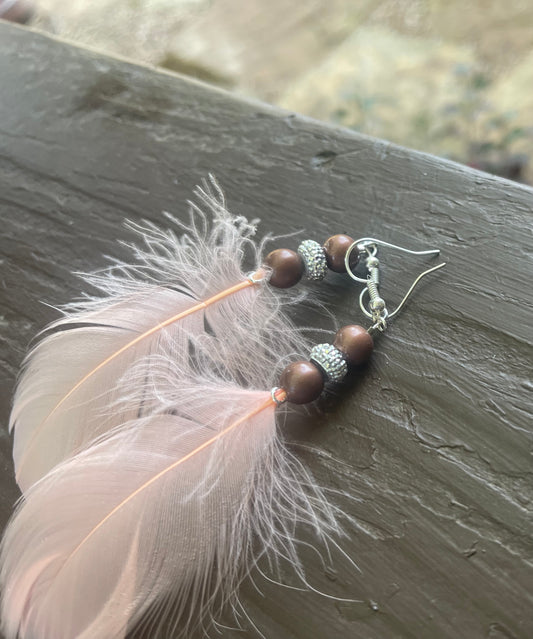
point(434, 442)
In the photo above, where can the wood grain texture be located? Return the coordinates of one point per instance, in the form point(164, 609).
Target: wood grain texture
point(433, 442)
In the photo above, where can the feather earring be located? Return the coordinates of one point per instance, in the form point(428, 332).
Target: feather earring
point(166, 479)
point(177, 285)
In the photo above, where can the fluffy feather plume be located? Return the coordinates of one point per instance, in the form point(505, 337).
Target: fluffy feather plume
point(70, 378)
point(168, 479)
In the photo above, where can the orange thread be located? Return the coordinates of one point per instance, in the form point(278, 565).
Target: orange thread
point(175, 318)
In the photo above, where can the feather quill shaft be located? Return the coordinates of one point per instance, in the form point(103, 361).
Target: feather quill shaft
point(270, 403)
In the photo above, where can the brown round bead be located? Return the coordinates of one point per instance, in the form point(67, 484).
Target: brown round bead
point(287, 267)
point(355, 343)
point(335, 248)
point(302, 381)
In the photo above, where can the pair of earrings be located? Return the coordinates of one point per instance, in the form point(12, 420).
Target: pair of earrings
point(145, 440)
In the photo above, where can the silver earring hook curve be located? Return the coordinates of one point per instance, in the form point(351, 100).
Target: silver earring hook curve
point(405, 297)
point(377, 309)
point(365, 242)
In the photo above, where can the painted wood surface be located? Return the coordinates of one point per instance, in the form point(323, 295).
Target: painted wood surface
point(433, 442)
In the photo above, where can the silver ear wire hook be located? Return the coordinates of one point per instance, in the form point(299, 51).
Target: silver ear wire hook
point(365, 243)
point(377, 310)
point(380, 319)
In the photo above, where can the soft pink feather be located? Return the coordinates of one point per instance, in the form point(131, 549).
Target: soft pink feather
point(91, 552)
point(51, 418)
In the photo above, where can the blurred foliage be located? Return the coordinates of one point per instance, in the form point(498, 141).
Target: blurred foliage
point(468, 129)
point(488, 137)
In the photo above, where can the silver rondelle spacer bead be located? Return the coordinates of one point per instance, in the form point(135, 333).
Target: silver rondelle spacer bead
point(314, 259)
point(330, 360)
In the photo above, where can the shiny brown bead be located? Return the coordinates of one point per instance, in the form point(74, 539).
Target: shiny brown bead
point(335, 248)
point(302, 381)
point(355, 343)
point(287, 267)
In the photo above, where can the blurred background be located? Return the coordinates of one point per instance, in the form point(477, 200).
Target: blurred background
point(449, 77)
